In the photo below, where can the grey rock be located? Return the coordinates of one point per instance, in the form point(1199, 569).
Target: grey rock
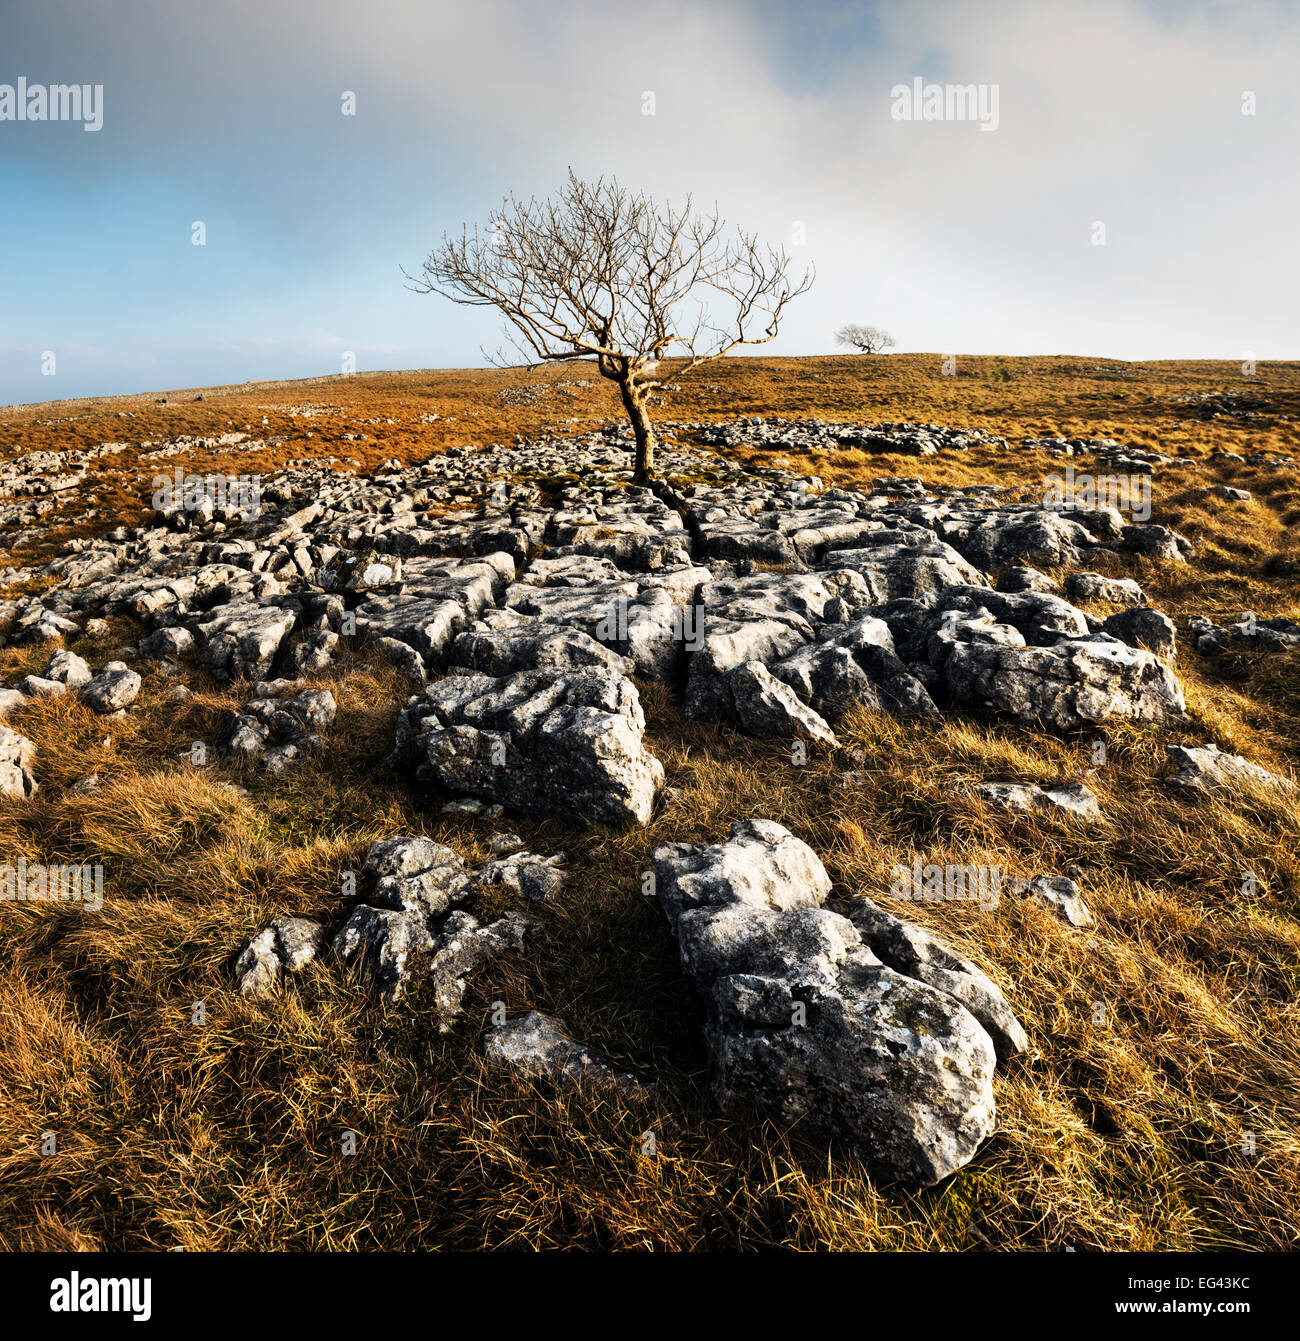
point(536, 1046)
point(416, 875)
point(464, 805)
point(463, 946)
point(1206, 768)
point(918, 953)
point(167, 642)
point(314, 654)
point(69, 669)
point(533, 646)
point(1145, 628)
point(1023, 578)
point(539, 742)
point(247, 739)
point(37, 686)
point(1075, 683)
point(242, 639)
point(807, 1022)
point(382, 946)
point(257, 967)
point(1074, 800)
point(280, 760)
point(404, 657)
point(1155, 542)
point(1098, 587)
point(299, 940)
point(11, 700)
point(1057, 893)
point(313, 709)
point(360, 571)
point(17, 758)
point(286, 945)
point(112, 689)
point(767, 707)
point(539, 879)
point(918, 570)
point(1266, 635)
point(855, 667)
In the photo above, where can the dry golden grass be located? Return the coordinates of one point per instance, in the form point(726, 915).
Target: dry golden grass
point(226, 1135)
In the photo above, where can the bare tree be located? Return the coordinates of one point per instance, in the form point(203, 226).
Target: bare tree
point(867, 339)
point(601, 274)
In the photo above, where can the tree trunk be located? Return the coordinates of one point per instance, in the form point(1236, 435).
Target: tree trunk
point(634, 402)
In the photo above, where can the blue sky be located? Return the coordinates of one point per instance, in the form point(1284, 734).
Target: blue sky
point(955, 239)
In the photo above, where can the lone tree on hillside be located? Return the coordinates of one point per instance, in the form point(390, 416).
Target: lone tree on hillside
point(865, 339)
point(598, 273)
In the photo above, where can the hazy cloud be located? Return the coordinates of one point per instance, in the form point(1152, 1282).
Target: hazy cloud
point(1118, 112)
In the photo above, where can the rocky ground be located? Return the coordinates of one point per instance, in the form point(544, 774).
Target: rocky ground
point(867, 745)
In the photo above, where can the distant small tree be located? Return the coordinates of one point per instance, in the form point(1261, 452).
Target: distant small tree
point(598, 273)
point(866, 339)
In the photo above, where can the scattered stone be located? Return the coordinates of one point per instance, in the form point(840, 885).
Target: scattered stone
point(534, 1045)
point(37, 686)
point(11, 700)
point(1267, 635)
point(1055, 892)
point(242, 639)
point(286, 945)
point(360, 571)
point(113, 689)
point(416, 875)
point(17, 758)
point(247, 739)
point(167, 642)
point(1076, 683)
point(465, 805)
point(314, 654)
point(1155, 542)
point(885, 604)
point(1074, 799)
point(69, 669)
point(279, 728)
point(539, 879)
point(378, 943)
point(1206, 768)
point(404, 657)
point(281, 760)
point(533, 646)
point(1027, 579)
point(464, 946)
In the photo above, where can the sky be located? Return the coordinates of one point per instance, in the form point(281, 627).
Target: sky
point(1124, 114)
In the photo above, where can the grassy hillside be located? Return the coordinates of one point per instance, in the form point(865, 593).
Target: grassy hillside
point(1131, 1133)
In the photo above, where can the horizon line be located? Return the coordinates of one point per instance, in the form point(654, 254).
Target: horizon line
point(218, 388)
